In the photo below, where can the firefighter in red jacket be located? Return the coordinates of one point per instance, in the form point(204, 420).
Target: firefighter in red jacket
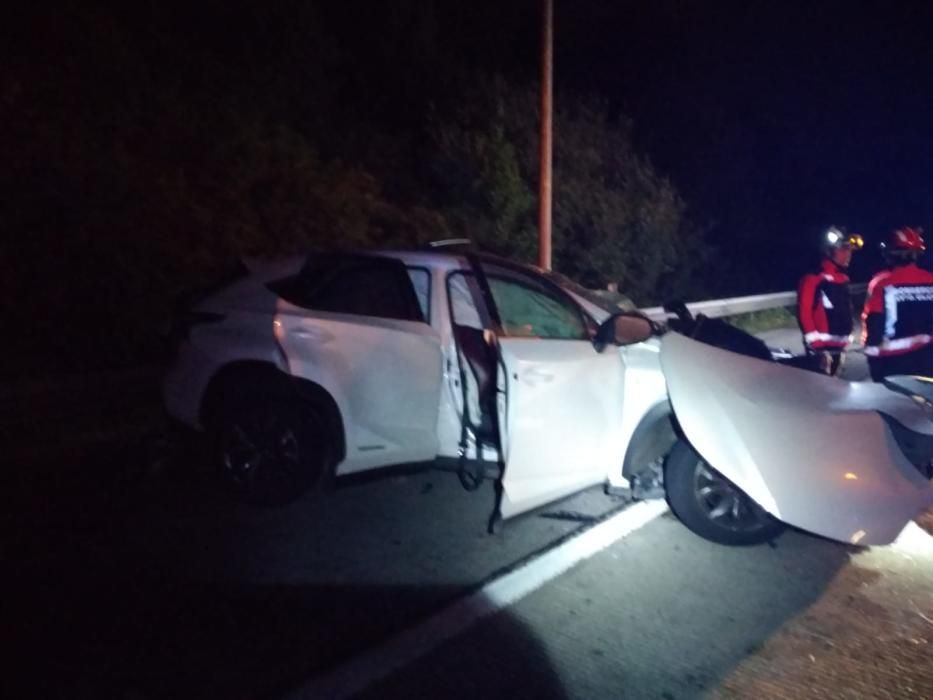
point(824, 308)
point(897, 321)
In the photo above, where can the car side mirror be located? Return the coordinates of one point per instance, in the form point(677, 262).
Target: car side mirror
point(626, 328)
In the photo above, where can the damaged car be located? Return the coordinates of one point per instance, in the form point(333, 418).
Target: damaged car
point(332, 364)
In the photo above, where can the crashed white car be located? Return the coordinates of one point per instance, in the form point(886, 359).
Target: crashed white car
point(333, 364)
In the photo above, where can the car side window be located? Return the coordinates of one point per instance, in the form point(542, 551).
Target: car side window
point(463, 294)
point(528, 310)
point(354, 284)
point(421, 282)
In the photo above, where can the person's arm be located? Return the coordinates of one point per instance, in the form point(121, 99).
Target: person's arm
point(805, 298)
point(873, 314)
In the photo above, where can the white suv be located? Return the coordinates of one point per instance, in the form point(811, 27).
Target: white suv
point(338, 363)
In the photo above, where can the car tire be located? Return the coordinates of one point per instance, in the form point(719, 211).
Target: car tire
point(712, 506)
point(271, 452)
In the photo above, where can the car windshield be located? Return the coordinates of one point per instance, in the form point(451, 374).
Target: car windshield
point(608, 301)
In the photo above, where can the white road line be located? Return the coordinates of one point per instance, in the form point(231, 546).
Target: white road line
point(363, 671)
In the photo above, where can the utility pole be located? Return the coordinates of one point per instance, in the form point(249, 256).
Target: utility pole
point(547, 95)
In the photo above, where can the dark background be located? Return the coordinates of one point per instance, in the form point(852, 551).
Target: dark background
point(146, 144)
point(775, 119)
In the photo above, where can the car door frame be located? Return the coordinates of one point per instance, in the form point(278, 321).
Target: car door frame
point(506, 505)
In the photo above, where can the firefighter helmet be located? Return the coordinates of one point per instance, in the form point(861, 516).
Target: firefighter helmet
point(836, 238)
point(905, 241)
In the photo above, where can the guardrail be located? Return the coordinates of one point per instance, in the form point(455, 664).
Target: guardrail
point(740, 305)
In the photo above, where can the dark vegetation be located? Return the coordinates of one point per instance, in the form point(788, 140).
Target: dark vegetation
point(146, 145)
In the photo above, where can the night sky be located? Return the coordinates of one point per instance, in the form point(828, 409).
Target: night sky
point(774, 119)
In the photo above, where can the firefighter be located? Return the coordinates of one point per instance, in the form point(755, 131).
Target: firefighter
point(897, 320)
point(824, 307)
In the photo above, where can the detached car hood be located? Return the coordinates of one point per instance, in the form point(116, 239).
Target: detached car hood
point(814, 451)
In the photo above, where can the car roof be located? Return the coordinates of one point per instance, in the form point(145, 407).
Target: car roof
point(442, 258)
point(423, 258)
point(447, 258)
point(453, 258)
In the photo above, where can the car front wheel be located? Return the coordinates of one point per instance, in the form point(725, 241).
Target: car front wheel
point(271, 452)
point(711, 505)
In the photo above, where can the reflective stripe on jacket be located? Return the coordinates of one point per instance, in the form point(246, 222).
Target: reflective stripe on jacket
point(824, 309)
point(898, 313)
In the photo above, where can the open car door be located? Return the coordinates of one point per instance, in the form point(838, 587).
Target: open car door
point(562, 398)
point(563, 403)
point(814, 451)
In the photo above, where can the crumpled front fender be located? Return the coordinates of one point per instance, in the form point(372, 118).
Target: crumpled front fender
point(812, 450)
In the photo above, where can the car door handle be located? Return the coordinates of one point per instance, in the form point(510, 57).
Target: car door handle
point(536, 375)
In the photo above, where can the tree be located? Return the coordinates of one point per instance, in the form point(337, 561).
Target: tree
point(615, 218)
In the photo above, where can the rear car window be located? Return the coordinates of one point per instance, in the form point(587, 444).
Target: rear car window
point(421, 282)
point(361, 285)
point(463, 294)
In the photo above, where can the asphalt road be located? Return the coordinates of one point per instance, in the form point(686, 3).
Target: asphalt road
point(664, 615)
point(177, 592)
point(170, 589)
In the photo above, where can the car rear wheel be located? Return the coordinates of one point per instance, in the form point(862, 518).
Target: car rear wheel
point(271, 452)
point(711, 505)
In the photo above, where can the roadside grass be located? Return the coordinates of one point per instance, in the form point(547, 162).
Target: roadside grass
point(765, 320)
